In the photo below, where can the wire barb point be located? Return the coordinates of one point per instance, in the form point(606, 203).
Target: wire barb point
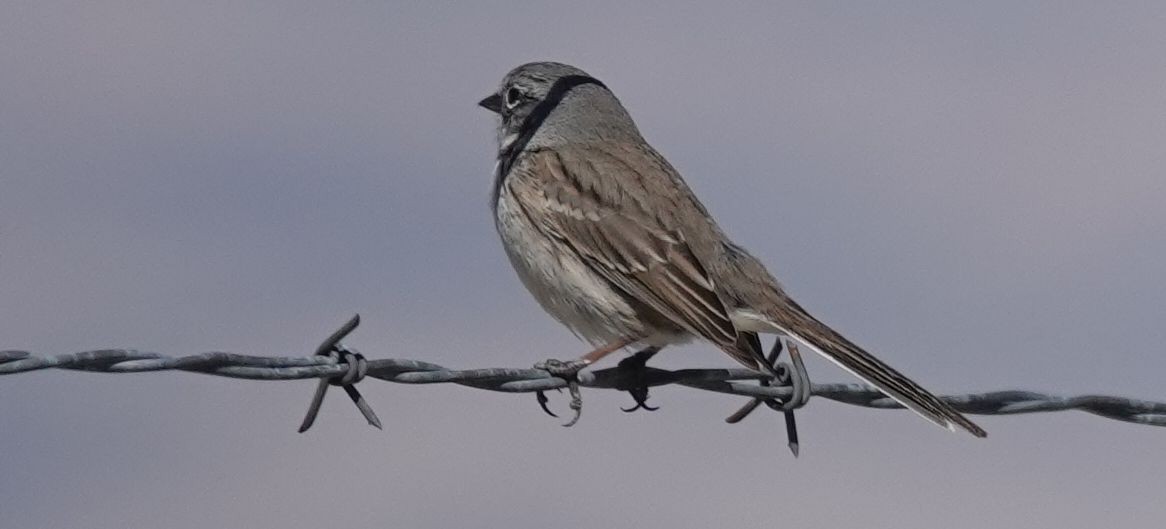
point(793, 376)
point(357, 367)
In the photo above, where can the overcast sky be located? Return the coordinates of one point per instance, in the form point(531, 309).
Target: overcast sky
point(974, 193)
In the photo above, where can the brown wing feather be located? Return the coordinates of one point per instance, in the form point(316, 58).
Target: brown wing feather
point(633, 249)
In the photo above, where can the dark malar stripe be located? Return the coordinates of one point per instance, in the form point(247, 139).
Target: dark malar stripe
point(535, 119)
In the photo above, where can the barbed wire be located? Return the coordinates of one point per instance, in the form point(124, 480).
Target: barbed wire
point(335, 364)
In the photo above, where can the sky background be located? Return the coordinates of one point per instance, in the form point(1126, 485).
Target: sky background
point(974, 193)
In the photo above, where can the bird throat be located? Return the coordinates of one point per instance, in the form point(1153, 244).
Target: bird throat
point(510, 151)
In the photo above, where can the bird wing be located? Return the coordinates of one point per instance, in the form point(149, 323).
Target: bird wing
point(595, 202)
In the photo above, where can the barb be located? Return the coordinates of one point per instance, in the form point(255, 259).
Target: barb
point(357, 368)
point(334, 364)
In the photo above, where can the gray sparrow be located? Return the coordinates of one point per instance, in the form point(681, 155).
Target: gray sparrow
point(609, 239)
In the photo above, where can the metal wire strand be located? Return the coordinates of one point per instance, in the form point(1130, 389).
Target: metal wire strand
point(334, 364)
point(517, 380)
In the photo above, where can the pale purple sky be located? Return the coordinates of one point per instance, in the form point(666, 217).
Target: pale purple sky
point(975, 193)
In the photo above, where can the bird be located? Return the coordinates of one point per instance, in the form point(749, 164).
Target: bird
point(611, 242)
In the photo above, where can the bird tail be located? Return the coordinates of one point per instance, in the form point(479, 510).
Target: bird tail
point(798, 324)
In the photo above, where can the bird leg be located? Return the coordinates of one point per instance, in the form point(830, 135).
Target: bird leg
point(569, 370)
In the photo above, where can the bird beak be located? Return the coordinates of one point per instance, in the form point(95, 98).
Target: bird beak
point(493, 103)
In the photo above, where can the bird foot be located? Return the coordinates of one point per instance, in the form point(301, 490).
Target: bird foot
point(637, 364)
point(567, 370)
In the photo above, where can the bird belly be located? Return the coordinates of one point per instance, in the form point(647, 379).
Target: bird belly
point(566, 287)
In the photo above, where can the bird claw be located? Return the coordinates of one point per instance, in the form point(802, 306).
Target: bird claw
point(636, 363)
point(566, 370)
point(541, 396)
point(576, 403)
point(641, 396)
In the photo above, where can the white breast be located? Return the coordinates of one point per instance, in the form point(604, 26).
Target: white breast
point(565, 287)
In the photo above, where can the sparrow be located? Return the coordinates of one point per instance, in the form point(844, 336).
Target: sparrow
point(611, 242)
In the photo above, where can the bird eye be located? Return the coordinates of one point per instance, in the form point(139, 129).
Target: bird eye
point(513, 97)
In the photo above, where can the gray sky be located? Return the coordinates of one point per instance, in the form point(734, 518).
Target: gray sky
point(973, 192)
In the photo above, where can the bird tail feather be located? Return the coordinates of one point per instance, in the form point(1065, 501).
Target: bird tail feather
point(798, 324)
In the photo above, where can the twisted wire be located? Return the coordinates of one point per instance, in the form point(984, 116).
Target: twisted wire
point(515, 380)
